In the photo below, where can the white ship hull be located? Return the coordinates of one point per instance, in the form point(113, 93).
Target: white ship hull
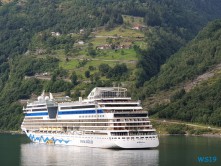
point(106, 119)
point(126, 142)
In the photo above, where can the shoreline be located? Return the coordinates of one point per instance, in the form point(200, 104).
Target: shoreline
point(11, 132)
point(200, 135)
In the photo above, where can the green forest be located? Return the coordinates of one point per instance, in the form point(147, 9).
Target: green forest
point(202, 104)
point(176, 42)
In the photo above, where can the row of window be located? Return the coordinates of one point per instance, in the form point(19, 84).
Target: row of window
point(121, 105)
point(77, 107)
point(133, 137)
point(67, 112)
point(91, 116)
point(39, 109)
point(130, 115)
point(79, 112)
point(37, 114)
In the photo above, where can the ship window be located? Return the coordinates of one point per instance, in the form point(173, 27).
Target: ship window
point(130, 115)
point(78, 112)
point(40, 105)
point(77, 107)
point(39, 109)
point(120, 105)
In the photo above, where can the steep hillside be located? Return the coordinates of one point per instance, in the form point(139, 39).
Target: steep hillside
point(71, 46)
point(198, 56)
point(199, 59)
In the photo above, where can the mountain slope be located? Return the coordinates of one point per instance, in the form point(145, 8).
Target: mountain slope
point(201, 104)
point(198, 56)
point(28, 47)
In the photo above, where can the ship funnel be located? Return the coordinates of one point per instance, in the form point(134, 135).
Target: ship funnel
point(51, 96)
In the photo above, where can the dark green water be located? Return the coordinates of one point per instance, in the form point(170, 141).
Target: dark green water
point(16, 150)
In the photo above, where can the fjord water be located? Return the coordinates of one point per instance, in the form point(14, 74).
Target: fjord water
point(17, 150)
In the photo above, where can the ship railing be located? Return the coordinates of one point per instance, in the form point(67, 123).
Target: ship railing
point(121, 133)
point(124, 111)
point(110, 97)
point(113, 101)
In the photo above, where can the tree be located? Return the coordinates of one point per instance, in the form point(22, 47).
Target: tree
point(91, 51)
point(109, 40)
point(119, 19)
point(87, 74)
point(104, 68)
point(119, 70)
point(74, 78)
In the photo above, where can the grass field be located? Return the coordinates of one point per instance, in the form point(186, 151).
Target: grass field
point(125, 54)
point(131, 20)
point(121, 31)
point(72, 65)
point(99, 41)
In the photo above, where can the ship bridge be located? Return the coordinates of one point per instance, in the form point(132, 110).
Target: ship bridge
point(108, 93)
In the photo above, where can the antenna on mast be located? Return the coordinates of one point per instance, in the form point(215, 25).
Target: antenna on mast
point(118, 90)
point(43, 93)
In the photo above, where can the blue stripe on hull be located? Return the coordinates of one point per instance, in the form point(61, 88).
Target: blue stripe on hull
point(37, 114)
point(80, 112)
point(77, 112)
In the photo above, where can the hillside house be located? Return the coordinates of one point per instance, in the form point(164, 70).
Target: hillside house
point(104, 47)
point(136, 28)
point(81, 31)
point(56, 34)
point(81, 42)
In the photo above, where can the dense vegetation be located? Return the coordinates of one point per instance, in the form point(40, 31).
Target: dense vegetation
point(197, 57)
point(27, 46)
point(15, 87)
point(203, 103)
point(175, 19)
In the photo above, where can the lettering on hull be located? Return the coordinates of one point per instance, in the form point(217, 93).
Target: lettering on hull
point(86, 141)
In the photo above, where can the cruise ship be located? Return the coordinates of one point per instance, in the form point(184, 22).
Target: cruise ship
point(107, 118)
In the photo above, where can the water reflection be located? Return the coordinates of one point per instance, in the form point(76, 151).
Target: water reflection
point(40, 154)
